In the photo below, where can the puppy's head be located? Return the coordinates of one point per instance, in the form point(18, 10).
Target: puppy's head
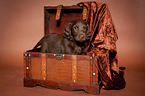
point(78, 30)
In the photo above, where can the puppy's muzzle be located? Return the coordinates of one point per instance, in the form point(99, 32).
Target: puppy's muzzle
point(81, 37)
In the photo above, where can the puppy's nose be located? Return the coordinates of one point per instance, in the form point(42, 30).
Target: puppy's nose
point(81, 36)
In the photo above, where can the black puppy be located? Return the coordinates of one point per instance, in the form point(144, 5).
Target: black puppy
point(73, 41)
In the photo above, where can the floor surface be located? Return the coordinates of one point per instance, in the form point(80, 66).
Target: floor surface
point(11, 84)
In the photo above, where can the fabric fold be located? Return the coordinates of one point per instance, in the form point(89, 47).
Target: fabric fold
point(102, 44)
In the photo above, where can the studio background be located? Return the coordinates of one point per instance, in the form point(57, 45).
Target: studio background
point(22, 26)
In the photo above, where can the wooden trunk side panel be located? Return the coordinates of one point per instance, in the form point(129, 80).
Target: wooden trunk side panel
point(59, 73)
point(84, 71)
point(36, 68)
point(59, 70)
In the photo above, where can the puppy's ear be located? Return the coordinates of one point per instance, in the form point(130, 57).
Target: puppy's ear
point(67, 31)
point(89, 33)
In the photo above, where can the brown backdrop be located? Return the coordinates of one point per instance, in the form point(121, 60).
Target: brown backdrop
point(22, 26)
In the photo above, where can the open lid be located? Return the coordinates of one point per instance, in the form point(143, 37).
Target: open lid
point(56, 18)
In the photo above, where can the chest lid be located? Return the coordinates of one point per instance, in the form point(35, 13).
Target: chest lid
point(56, 18)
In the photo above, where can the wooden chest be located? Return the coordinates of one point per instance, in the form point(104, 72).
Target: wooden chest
point(64, 71)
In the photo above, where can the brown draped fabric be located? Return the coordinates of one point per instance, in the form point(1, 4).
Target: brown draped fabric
point(103, 45)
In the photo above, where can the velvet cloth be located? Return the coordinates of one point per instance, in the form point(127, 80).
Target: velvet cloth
point(102, 45)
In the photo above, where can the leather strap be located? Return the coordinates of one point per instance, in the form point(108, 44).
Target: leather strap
point(43, 64)
point(74, 68)
point(84, 13)
point(58, 12)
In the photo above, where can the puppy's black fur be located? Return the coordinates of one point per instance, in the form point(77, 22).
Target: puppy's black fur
point(73, 41)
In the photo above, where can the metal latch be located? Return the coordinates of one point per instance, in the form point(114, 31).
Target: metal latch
point(58, 56)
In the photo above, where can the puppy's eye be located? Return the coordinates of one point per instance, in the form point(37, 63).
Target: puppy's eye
point(85, 27)
point(75, 27)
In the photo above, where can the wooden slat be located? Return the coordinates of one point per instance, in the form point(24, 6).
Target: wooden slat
point(24, 60)
point(36, 67)
point(83, 57)
point(59, 70)
point(83, 72)
point(91, 67)
point(96, 76)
